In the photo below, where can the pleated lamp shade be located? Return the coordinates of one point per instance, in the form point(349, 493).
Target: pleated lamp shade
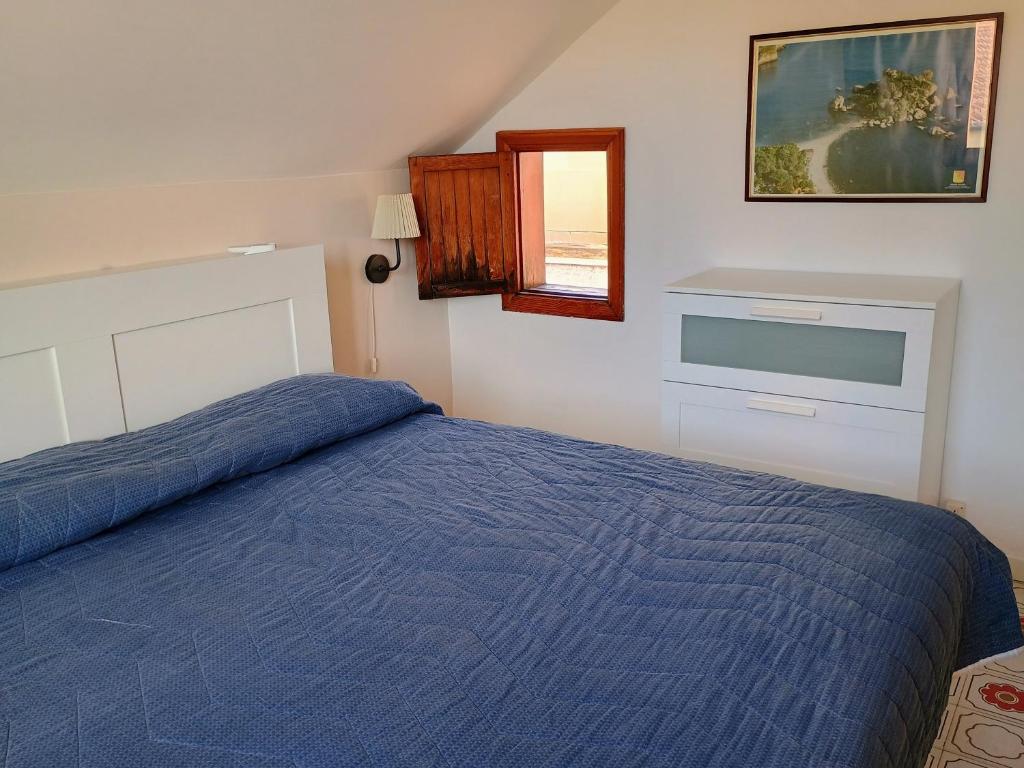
point(395, 218)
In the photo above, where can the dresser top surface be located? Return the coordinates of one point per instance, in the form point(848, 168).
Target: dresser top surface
point(834, 287)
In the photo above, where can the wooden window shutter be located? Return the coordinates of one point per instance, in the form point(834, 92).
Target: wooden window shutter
point(465, 222)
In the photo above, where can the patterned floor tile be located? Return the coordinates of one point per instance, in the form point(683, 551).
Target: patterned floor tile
point(953, 760)
point(956, 688)
point(983, 726)
point(987, 741)
point(1011, 667)
point(944, 728)
point(996, 695)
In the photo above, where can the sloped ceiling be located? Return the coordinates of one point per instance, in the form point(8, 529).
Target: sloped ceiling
point(111, 93)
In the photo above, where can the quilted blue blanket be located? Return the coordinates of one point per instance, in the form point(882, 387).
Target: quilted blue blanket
point(329, 572)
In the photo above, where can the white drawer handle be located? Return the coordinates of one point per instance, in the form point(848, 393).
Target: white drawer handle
point(795, 313)
point(776, 406)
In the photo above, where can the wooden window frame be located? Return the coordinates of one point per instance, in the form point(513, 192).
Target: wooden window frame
point(567, 303)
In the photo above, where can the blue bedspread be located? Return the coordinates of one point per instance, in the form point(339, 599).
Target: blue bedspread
point(328, 572)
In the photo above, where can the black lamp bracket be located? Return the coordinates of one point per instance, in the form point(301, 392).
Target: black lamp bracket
point(378, 267)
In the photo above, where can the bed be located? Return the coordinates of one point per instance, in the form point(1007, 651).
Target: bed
point(328, 571)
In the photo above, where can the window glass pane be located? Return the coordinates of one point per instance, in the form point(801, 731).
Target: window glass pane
point(564, 218)
point(822, 351)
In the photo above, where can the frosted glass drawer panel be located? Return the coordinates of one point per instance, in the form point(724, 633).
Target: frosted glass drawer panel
point(823, 351)
point(851, 353)
point(850, 446)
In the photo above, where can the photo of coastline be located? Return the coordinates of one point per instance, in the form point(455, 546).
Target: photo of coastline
point(884, 113)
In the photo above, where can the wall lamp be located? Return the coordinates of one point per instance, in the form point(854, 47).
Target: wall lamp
point(395, 219)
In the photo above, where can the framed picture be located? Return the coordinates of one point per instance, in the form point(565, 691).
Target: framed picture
point(898, 112)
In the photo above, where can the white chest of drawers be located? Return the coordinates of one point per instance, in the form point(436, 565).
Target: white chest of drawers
point(835, 379)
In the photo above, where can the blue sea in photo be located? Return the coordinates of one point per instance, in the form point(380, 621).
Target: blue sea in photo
point(793, 100)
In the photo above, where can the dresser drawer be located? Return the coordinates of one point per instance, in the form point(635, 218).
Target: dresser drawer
point(868, 355)
point(851, 446)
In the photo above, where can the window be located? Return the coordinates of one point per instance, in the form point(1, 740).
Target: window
point(541, 221)
point(569, 240)
point(563, 214)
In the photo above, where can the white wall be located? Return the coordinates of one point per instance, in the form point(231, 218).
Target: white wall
point(674, 74)
point(53, 234)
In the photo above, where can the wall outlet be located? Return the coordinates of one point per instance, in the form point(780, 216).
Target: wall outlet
point(955, 506)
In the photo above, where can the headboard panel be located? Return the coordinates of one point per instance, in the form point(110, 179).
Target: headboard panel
point(92, 356)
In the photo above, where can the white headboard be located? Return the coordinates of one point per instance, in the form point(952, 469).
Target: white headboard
point(93, 356)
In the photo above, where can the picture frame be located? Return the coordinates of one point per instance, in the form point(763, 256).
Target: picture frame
point(893, 112)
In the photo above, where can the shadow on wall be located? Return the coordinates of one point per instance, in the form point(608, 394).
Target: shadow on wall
point(348, 332)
